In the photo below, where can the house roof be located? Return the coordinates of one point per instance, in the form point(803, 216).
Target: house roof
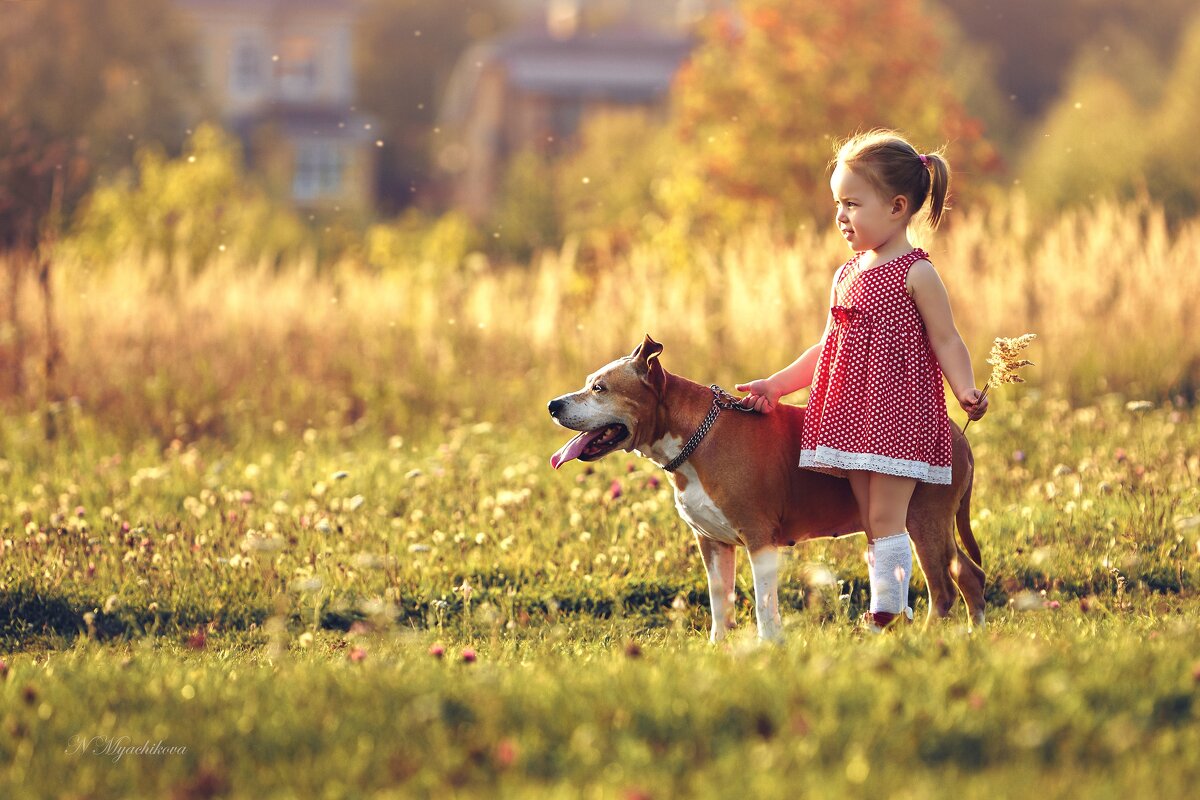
point(630, 62)
point(275, 5)
point(623, 64)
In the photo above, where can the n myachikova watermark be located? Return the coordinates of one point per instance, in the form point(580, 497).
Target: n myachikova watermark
point(118, 747)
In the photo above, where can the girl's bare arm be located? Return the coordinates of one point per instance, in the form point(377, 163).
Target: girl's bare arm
point(929, 294)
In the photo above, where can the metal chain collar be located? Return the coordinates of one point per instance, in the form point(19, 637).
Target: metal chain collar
point(721, 399)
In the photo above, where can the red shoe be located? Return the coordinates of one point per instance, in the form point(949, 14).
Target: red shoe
point(879, 621)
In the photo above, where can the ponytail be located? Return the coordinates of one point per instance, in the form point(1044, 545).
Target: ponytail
point(939, 186)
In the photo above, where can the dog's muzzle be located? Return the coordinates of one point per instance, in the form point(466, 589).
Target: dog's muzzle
point(591, 443)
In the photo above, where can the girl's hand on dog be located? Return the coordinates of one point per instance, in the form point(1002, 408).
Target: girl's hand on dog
point(762, 397)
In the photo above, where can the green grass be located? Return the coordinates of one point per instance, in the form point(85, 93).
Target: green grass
point(1057, 702)
point(269, 603)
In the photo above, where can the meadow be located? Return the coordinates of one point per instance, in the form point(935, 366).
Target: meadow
point(296, 534)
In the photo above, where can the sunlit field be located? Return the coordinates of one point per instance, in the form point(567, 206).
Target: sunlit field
point(406, 346)
point(299, 528)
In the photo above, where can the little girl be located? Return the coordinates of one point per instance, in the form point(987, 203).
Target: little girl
point(877, 412)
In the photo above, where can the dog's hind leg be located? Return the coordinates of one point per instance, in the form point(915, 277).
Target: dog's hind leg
point(962, 518)
point(936, 554)
point(970, 579)
point(948, 571)
point(764, 563)
point(719, 563)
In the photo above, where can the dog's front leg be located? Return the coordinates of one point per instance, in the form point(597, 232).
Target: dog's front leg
point(719, 563)
point(764, 564)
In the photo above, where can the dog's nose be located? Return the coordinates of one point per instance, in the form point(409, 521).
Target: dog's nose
point(556, 405)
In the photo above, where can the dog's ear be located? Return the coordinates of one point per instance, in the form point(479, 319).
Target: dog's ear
point(647, 350)
point(645, 357)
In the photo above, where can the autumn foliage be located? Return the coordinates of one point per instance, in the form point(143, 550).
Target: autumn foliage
point(774, 85)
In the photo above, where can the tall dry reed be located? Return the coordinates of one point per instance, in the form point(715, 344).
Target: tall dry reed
point(1110, 291)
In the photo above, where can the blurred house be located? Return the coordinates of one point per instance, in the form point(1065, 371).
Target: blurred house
point(531, 89)
point(282, 76)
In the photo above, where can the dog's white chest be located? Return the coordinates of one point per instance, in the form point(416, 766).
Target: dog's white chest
point(692, 502)
point(699, 510)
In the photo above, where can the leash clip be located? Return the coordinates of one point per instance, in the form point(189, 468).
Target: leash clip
point(726, 400)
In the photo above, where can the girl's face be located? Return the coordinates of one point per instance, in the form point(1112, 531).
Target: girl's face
point(866, 219)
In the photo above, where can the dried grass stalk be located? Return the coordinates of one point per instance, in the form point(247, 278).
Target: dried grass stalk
point(1005, 360)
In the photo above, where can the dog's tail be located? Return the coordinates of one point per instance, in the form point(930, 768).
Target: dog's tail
point(962, 519)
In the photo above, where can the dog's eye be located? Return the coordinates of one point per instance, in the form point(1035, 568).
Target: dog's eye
point(597, 387)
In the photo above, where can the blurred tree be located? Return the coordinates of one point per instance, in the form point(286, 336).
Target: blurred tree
point(406, 51)
point(187, 212)
point(82, 85)
point(527, 216)
point(768, 91)
point(606, 187)
point(1085, 151)
point(1173, 165)
point(1034, 43)
point(971, 71)
point(1123, 127)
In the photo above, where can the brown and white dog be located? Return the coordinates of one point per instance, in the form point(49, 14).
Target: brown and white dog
point(741, 486)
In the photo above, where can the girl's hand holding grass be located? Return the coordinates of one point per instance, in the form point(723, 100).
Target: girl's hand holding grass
point(974, 402)
point(1005, 363)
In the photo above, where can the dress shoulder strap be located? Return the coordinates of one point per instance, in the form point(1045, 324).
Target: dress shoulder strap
point(842, 270)
point(904, 263)
point(899, 274)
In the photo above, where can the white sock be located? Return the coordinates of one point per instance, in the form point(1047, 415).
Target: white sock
point(890, 560)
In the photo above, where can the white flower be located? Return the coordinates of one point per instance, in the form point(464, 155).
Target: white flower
point(262, 544)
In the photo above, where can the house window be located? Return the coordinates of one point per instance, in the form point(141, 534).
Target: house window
point(298, 68)
point(248, 63)
point(320, 168)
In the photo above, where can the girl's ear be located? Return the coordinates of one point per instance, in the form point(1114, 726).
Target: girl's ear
point(899, 204)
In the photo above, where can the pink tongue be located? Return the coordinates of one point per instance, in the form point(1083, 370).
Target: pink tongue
point(573, 449)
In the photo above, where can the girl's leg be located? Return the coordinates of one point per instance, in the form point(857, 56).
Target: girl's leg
point(860, 484)
point(888, 496)
point(889, 553)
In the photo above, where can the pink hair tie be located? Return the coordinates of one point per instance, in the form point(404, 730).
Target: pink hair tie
point(924, 159)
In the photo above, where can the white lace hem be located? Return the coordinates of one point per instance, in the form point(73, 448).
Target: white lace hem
point(828, 458)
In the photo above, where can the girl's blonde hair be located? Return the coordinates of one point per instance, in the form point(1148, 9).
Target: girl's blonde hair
point(895, 167)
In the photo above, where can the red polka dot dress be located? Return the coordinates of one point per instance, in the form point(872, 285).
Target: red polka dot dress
point(877, 401)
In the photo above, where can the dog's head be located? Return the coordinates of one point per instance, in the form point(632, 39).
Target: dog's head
point(614, 401)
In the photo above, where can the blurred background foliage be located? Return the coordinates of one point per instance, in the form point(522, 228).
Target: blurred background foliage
point(1072, 102)
point(83, 87)
point(186, 210)
point(761, 106)
point(1070, 126)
